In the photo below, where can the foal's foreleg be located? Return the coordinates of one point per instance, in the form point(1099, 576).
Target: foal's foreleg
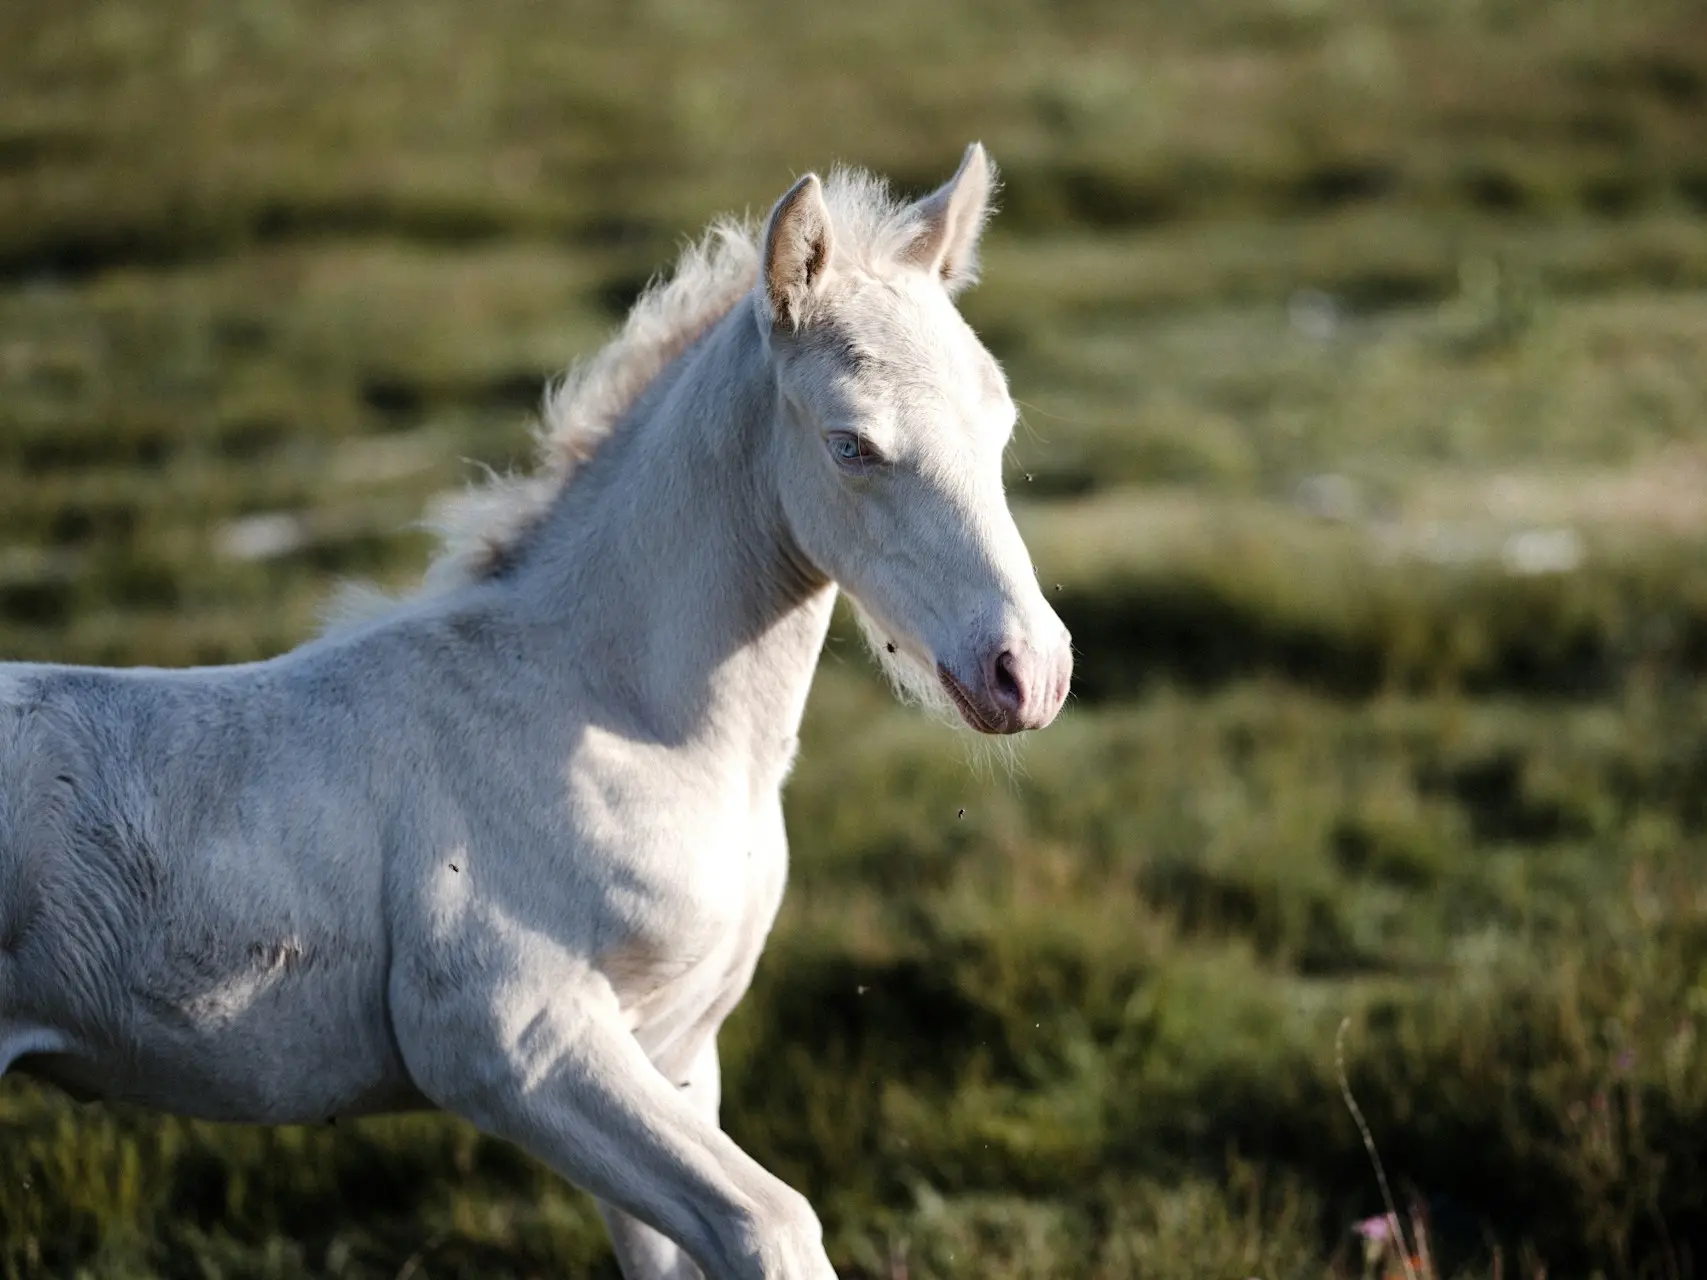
point(643, 1253)
point(566, 1081)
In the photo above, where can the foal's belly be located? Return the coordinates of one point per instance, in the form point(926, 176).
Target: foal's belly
point(88, 1077)
point(288, 1036)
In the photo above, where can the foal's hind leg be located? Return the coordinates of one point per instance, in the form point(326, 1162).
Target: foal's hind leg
point(641, 1251)
point(554, 1069)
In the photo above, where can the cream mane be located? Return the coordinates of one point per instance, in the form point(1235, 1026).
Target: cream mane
point(483, 530)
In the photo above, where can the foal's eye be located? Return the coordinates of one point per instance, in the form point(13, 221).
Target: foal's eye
point(850, 449)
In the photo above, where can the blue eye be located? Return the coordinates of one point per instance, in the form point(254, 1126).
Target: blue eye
point(848, 448)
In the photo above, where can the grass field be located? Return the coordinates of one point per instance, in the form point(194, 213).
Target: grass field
point(1362, 346)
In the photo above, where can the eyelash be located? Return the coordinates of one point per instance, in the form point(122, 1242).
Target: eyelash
point(863, 456)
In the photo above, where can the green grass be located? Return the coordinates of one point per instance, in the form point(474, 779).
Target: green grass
point(1362, 353)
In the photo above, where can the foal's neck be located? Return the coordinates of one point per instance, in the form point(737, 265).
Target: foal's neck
point(668, 570)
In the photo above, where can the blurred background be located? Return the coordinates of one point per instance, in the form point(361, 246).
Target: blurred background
point(1362, 351)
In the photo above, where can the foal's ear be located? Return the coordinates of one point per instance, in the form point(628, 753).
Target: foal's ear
point(951, 219)
point(798, 242)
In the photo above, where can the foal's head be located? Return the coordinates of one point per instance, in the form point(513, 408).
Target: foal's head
point(893, 418)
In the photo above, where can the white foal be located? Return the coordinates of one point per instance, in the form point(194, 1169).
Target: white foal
point(511, 847)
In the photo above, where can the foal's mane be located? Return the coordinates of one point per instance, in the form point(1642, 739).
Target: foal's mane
point(486, 529)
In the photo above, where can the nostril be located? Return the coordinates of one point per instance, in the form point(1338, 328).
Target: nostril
point(1005, 682)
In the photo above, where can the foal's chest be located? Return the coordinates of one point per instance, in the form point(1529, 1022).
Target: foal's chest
point(687, 862)
point(689, 940)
